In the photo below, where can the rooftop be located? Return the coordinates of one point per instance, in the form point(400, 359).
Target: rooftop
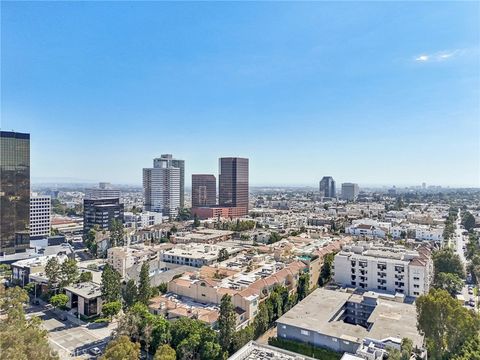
point(321, 312)
point(87, 290)
point(256, 351)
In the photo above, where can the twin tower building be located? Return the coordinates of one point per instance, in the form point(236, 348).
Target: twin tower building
point(164, 188)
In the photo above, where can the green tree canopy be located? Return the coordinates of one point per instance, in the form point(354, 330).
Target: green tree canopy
point(144, 290)
point(165, 352)
point(130, 293)
point(117, 233)
point(59, 301)
point(227, 321)
point(52, 272)
point(449, 282)
point(68, 272)
point(446, 261)
point(445, 323)
point(122, 348)
point(303, 286)
point(85, 276)
point(111, 309)
point(111, 284)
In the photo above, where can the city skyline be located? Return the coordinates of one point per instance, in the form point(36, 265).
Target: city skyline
point(370, 93)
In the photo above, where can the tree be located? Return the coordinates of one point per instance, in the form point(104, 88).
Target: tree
point(242, 337)
point(122, 348)
point(445, 323)
point(111, 309)
point(447, 261)
point(68, 272)
point(165, 352)
point(52, 272)
point(326, 270)
point(449, 282)
point(144, 290)
point(130, 293)
point(227, 321)
point(21, 338)
point(85, 276)
point(261, 321)
point(111, 285)
point(89, 241)
point(196, 222)
point(274, 237)
point(303, 286)
point(222, 255)
point(116, 233)
point(163, 288)
point(59, 301)
point(468, 221)
point(470, 350)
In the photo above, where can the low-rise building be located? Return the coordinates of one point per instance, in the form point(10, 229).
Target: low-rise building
point(205, 236)
point(194, 254)
point(85, 298)
point(341, 321)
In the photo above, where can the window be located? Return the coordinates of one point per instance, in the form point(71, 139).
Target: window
point(284, 326)
point(304, 332)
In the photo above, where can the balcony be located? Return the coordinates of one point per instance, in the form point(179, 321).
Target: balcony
point(363, 272)
point(354, 277)
point(399, 269)
point(382, 267)
point(382, 274)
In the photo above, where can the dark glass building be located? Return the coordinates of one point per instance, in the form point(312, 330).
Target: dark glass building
point(101, 212)
point(327, 187)
point(233, 182)
point(14, 192)
point(204, 190)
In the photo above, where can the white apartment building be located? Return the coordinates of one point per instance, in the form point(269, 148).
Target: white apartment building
point(376, 267)
point(194, 254)
point(141, 220)
point(161, 186)
point(378, 230)
point(427, 233)
point(40, 216)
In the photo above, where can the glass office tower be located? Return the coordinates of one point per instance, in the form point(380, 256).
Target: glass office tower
point(14, 192)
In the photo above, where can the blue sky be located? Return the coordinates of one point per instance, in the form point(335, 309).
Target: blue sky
point(374, 93)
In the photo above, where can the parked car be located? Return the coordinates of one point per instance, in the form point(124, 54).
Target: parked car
point(95, 351)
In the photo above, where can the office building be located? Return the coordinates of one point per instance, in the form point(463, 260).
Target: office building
point(344, 322)
point(104, 191)
point(233, 183)
point(15, 192)
point(204, 190)
point(376, 267)
point(161, 187)
point(176, 163)
point(40, 216)
point(101, 213)
point(350, 191)
point(327, 187)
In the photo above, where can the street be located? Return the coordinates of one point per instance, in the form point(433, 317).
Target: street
point(468, 291)
point(69, 339)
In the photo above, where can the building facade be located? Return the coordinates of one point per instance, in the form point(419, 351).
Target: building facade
point(15, 192)
point(162, 187)
point(384, 269)
point(204, 190)
point(327, 187)
point(101, 213)
point(104, 191)
point(40, 216)
point(233, 183)
point(176, 163)
point(350, 191)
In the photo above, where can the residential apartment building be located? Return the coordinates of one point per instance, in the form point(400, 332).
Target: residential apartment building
point(327, 187)
point(15, 192)
point(142, 220)
point(350, 191)
point(344, 322)
point(204, 190)
point(196, 255)
point(176, 163)
point(162, 186)
point(233, 183)
point(377, 267)
point(40, 216)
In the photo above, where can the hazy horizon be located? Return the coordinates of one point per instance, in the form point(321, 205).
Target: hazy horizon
point(367, 92)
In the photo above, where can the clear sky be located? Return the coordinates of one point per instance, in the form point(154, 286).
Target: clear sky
point(374, 93)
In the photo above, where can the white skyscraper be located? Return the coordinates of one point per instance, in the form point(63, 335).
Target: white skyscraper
point(40, 216)
point(161, 186)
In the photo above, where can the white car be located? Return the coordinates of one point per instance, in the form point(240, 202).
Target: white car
point(95, 351)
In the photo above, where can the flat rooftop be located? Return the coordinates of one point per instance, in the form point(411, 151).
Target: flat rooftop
point(321, 312)
point(87, 290)
point(255, 351)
